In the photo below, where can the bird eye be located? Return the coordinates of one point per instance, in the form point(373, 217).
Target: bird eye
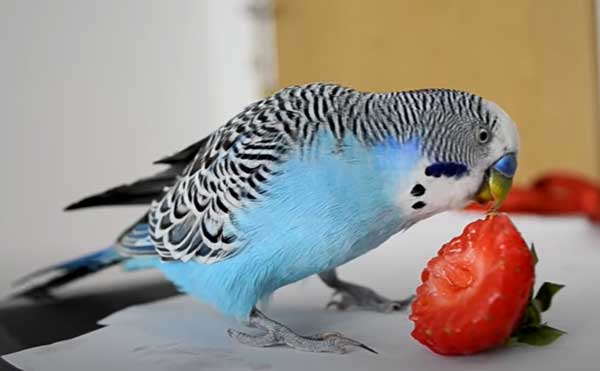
point(483, 136)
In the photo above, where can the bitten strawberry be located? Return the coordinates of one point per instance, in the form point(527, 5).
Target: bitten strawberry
point(475, 292)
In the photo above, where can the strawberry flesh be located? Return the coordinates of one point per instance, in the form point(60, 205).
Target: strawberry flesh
point(476, 290)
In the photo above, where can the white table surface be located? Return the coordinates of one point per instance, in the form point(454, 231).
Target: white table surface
point(183, 334)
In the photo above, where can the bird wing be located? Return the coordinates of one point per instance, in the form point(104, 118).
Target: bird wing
point(232, 169)
point(148, 189)
point(195, 217)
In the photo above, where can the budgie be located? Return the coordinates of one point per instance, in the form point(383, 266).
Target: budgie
point(298, 184)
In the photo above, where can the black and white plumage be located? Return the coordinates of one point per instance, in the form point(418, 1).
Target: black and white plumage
point(232, 165)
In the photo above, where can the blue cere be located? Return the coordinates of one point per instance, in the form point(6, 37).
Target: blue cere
point(507, 165)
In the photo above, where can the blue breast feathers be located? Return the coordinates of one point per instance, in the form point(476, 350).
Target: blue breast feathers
point(330, 203)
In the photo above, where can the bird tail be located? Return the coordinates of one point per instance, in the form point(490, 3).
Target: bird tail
point(134, 242)
point(40, 282)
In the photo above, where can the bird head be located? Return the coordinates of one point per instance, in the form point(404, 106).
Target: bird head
point(470, 148)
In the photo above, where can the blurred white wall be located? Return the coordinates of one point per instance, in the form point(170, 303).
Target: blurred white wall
point(91, 92)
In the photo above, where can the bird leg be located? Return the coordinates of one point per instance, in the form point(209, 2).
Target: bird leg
point(278, 334)
point(352, 295)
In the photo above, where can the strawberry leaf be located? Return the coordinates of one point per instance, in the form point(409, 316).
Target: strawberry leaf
point(532, 331)
point(539, 335)
point(533, 316)
point(543, 298)
point(535, 255)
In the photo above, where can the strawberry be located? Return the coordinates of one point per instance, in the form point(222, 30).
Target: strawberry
point(570, 193)
point(476, 292)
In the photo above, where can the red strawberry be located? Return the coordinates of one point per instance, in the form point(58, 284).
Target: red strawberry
point(570, 194)
point(476, 291)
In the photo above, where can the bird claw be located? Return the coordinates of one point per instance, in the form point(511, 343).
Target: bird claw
point(278, 334)
point(368, 299)
point(340, 342)
point(266, 340)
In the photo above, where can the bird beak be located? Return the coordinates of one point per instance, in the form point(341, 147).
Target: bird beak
point(498, 181)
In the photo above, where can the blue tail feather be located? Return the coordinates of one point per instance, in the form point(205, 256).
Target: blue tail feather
point(62, 273)
point(96, 259)
point(134, 248)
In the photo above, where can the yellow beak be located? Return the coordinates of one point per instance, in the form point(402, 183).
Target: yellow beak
point(496, 188)
point(499, 182)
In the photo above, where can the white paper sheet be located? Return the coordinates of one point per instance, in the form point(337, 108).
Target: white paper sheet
point(183, 334)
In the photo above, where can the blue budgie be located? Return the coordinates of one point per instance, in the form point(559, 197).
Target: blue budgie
point(298, 184)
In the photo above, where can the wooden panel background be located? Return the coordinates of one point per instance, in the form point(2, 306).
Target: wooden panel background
point(536, 58)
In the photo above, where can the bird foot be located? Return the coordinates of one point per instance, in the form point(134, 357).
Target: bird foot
point(350, 295)
point(276, 334)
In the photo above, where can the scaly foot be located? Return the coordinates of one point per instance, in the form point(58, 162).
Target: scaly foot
point(350, 295)
point(278, 334)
